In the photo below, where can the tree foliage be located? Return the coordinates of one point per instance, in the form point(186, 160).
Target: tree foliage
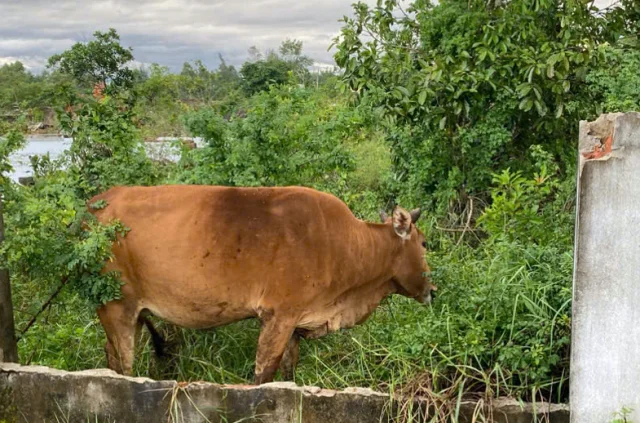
point(202, 84)
point(19, 89)
point(617, 82)
point(45, 238)
point(99, 61)
point(466, 88)
point(287, 138)
point(106, 148)
point(274, 68)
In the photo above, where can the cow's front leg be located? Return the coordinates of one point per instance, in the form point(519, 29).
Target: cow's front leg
point(120, 321)
point(274, 337)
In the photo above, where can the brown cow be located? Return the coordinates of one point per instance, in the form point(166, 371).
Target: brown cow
point(296, 258)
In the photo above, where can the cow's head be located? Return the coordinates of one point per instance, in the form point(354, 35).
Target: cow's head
point(411, 271)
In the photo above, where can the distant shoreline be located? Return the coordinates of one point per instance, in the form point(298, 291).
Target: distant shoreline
point(59, 137)
point(52, 136)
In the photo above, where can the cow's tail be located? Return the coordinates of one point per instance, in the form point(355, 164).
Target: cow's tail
point(156, 339)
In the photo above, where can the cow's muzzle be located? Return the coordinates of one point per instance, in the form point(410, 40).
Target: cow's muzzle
point(426, 298)
point(430, 294)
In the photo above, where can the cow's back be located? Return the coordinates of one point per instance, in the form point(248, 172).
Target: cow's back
point(202, 256)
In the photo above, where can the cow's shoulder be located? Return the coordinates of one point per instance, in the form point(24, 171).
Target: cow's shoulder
point(310, 201)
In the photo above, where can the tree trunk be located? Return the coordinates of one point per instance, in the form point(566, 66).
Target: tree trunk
point(8, 347)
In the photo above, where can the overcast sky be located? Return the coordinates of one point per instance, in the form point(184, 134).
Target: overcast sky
point(170, 32)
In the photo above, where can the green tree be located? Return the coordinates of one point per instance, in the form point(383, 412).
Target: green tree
point(466, 88)
point(625, 22)
point(21, 92)
point(617, 80)
point(107, 149)
point(197, 83)
point(288, 137)
point(227, 80)
point(160, 86)
point(16, 86)
point(159, 103)
point(291, 52)
point(274, 69)
point(258, 76)
point(99, 61)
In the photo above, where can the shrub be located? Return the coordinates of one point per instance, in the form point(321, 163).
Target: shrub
point(286, 138)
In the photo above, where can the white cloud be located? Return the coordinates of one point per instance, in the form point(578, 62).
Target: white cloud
point(30, 62)
point(171, 32)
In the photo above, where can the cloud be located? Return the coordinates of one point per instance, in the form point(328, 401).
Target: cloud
point(29, 62)
point(171, 32)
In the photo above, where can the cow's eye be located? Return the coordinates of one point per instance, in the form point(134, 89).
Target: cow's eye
point(424, 244)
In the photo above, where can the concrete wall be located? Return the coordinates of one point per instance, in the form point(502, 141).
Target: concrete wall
point(605, 361)
point(38, 394)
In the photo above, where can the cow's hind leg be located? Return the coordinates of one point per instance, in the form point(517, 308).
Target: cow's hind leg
point(290, 358)
point(274, 337)
point(158, 342)
point(120, 322)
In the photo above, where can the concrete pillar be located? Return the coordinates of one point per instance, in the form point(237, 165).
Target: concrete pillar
point(605, 355)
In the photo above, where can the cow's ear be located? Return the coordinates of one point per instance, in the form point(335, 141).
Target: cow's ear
point(415, 215)
point(402, 223)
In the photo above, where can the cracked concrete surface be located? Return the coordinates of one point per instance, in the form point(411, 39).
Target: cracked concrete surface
point(40, 394)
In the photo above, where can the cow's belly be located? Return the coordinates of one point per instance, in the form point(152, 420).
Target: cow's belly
point(344, 312)
point(319, 324)
point(201, 301)
point(187, 294)
point(195, 315)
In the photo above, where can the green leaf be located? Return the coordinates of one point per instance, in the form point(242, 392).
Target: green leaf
point(403, 90)
point(540, 107)
point(526, 104)
point(524, 89)
point(98, 205)
point(523, 103)
point(422, 97)
point(550, 71)
point(530, 74)
point(536, 91)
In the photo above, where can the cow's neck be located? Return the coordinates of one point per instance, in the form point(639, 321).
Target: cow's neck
point(371, 279)
point(371, 264)
point(364, 276)
point(382, 251)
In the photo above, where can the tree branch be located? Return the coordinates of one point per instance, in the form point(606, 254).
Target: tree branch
point(44, 307)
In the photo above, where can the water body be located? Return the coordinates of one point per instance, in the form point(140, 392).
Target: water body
point(20, 161)
point(56, 146)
